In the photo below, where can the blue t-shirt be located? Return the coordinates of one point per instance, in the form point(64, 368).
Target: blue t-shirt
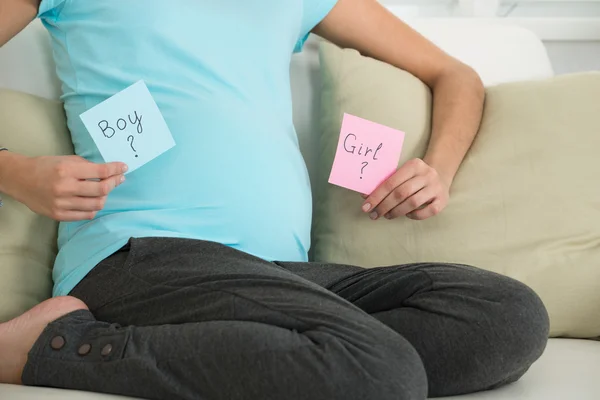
point(219, 72)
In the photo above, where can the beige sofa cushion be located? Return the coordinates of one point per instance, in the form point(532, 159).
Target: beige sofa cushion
point(525, 203)
point(31, 126)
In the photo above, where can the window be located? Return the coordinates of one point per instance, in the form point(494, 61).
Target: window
point(550, 19)
point(499, 8)
point(549, 8)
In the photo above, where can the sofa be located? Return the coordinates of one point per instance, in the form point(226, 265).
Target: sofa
point(569, 369)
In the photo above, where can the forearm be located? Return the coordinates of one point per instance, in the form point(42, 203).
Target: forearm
point(11, 165)
point(458, 98)
point(15, 15)
point(374, 31)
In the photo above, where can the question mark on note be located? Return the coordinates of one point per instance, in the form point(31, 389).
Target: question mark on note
point(131, 144)
point(364, 164)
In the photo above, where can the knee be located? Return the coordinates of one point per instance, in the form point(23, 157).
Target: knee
point(502, 328)
point(392, 370)
point(524, 323)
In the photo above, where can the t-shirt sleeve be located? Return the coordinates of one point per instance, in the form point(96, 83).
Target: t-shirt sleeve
point(313, 12)
point(50, 8)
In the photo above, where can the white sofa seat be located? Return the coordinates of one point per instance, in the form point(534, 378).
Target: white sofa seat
point(569, 369)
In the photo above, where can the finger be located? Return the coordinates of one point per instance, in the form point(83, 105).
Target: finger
point(84, 188)
point(406, 172)
point(72, 216)
point(90, 170)
point(399, 195)
point(413, 203)
point(82, 203)
point(427, 212)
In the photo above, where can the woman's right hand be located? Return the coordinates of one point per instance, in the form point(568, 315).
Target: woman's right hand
point(64, 188)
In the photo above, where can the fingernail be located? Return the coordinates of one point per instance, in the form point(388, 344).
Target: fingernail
point(122, 179)
point(388, 216)
point(373, 215)
point(366, 207)
point(125, 168)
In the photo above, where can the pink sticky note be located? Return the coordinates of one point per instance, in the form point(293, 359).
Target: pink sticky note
point(367, 154)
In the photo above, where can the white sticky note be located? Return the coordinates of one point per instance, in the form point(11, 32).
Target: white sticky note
point(129, 127)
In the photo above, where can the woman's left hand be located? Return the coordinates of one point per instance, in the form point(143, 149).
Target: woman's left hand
point(415, 190)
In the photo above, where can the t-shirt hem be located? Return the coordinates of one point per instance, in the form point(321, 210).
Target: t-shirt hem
point(64, 287)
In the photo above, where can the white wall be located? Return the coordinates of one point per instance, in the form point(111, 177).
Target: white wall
point(568, 57)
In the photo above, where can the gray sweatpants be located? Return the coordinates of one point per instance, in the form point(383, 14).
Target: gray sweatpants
point(187, 319)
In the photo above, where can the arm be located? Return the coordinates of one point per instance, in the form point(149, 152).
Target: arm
point(15, 15)
point(458, 97)
point(58, 187)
